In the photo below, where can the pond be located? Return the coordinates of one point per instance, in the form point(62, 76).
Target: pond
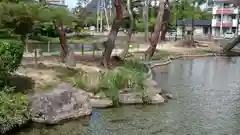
point(206, 102)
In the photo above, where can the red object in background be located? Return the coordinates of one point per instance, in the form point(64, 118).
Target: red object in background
point(225, 11)
point(118, 8)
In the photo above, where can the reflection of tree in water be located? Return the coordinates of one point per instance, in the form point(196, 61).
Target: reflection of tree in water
point(229, 60)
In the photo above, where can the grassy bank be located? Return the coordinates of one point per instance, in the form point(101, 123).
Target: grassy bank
point(128, 75)
point(163, 54)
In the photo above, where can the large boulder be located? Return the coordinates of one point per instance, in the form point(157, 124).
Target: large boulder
point(157, 99)
point(150, 82)
point(63, 103)
point(100, 100)
point(130, 97)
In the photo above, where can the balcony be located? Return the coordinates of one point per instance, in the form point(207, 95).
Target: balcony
point(225, 23)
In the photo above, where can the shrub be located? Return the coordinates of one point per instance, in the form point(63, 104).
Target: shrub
point(13, 110)
point(11, 53)
point(135, 66)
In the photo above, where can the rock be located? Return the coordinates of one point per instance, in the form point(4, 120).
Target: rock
point(70, 60)
point(130, 98)
point(100, 100)
point(66, 86)
point(169, 96)
point(150, 82)
point(61, 104)
point(154, 90)
point(157, 99)
point(101, 103)
point(100, 95)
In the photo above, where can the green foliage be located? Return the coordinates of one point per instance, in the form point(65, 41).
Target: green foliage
point(135, 66)
point(140, 26)
point(11, 54)
point(23, 17)
point(184, 10)
point(130, 76)
point(20, 17)
point(60, 15)
point(45, 29)
point(13, 110)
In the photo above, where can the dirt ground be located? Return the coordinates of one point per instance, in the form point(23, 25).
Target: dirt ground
point(49, 68)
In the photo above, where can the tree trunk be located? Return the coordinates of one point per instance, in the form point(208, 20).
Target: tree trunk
point(63, 41)
point(35, 57)
point(110, 43)
point(130, 30)
point(166, 19)
point(23, 39)
point(192, 33)
point(231, 45)
point(157, 29)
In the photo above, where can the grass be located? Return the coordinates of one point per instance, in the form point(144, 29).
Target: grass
point(14, 109)
point(202, 51)
point(158, 55)
point(162, 54)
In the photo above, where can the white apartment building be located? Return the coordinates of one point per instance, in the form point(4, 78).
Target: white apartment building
point(57, 2)
point(225, 18)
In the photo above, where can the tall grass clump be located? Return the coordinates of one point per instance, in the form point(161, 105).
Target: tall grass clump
point(129, 76)
point(135, 66)
point(13, 110)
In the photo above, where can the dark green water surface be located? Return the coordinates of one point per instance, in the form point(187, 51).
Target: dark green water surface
point(206, 102)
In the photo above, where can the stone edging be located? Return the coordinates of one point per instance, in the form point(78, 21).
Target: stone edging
point(170, 58)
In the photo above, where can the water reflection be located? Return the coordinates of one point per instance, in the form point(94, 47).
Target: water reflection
point(207, 102)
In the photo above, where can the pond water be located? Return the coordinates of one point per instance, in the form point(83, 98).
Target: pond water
point(207, 102)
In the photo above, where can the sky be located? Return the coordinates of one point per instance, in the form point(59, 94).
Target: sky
point(71, 3)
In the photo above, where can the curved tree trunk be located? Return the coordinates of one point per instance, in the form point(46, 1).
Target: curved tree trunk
point(157, 29)
point(130, 30)
point(63, 41)
point(166, 19)
point(110, 43)
point(231, 45)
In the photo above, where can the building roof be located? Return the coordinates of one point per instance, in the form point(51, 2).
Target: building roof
point(196, 22)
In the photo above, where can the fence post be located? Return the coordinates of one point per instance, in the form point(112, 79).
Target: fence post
point(82, 49)
point(49, 46)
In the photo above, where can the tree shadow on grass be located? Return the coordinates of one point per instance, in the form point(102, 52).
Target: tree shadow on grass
point(23, 84)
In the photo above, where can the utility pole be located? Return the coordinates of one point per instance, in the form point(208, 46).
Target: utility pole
point(101, 15)
point(237, 29)
point(101, 7)
point(110, 6)
point(145, 16)
point(177, 2)
point(221, 25)
point(106, 14)
point(98, 14)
